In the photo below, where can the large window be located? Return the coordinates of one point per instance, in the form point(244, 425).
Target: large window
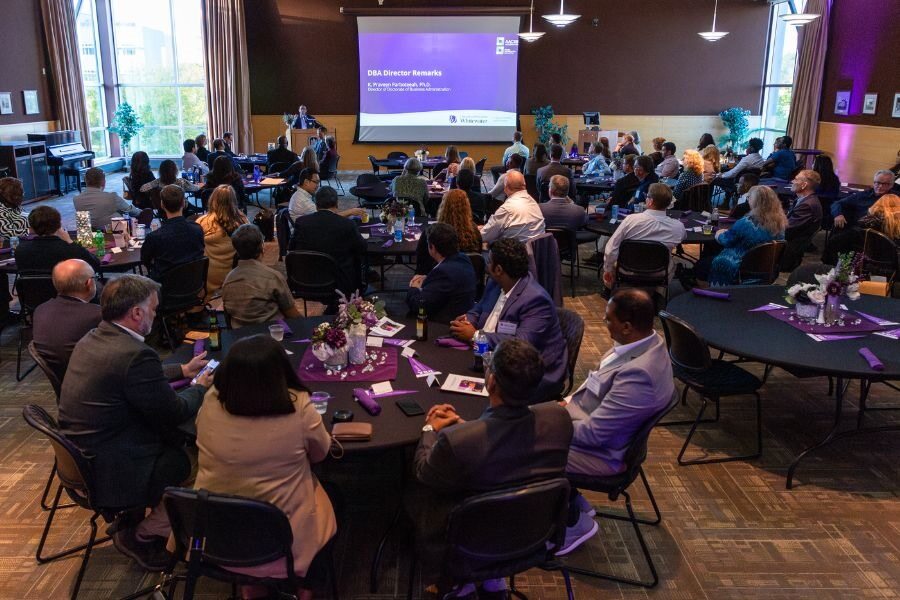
point(779, 84)
point(92, 74)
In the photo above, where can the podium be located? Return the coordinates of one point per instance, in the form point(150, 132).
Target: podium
point(298, 139)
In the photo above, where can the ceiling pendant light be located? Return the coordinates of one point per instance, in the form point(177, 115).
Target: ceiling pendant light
point(798, 19)
point(562, 19)
point(713, 36)
point(531, 35)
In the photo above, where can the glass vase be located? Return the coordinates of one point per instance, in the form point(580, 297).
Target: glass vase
point(806, 311)
point(338, 360)
point(832, 309)
point(356, 340)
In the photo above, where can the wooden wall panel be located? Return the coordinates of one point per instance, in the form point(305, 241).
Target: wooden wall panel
point(859, 150)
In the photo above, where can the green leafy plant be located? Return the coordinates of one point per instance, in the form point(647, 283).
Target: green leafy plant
point(126, 124)
point(543, 123)
point(735, 119)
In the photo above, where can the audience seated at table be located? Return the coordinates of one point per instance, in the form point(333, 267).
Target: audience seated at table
point(466, 164)
point(177, 241)
point(508, 445)
point(604, 148)
point(449, 288)
point(202, 150)
point(711, 162)
point(805, 214)
point(410, 184)
point(59, 323)
point(851, 209)
point(597, 163)
point(515, 305)
point(781, 163)
point(456, 212)
point(302, 203)
point(627, 146)
point(560, 211)
point(705, 140)
point(539, 158)
point(481, 205)
point(517, 147)
point(883, 216)
point(139, 174)
point(168, 175)
point(307, 160)
point(451, 156)
point(691, 174)
point(327, 231)
point(643, 170)
point(319, 144)
point(554, 168)
point(513, 163)
point(256, 396)
point(623, 189)
point(281, 154)
point(657, 155)
point(518, 217)
point(328, 160)
point(50, 245)
point(766, 222)
point(254, 292)
point(219, 150)
point(830, 187)
point(191, 160)
point(751, 160)
point(102, 205)
point(632, 383)
point(117, 406)
point(222, 219)
point(223, 173)
point(651, 225)
point(745, 183)
point(668, 166)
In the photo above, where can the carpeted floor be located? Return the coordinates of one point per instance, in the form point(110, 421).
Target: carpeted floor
point(729, 531)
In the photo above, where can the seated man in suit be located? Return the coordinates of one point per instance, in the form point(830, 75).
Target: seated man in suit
point(643, 170)
point(560, 211)
point(805, 214)
point(253, 292)
point(102, 205)
point(51, 245)
point(219, 149)
point(510, 444)
point(623, 189)
point(177, 241)
point(328, 232)
point(514, 305)
point(554, 168)
point(518, 217)
point(228, 139)
point(320, 145)
point(60, 323)
point(851, 209)
point(632, 383)
point(449, 289)
point(117, 405)
point(280, 154)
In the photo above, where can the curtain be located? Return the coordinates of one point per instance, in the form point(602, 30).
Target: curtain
point(65, 67)
point(227, 79)
point(812, 44)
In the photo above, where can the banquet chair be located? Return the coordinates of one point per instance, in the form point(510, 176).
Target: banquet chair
point(217, 532)
point(313, 276)
point(572, 326)
point(531, 186)
point(697, 198)
point(329, 173)
point(284, 228)
point(568, 250)
point(76, 478)
point(617, 485)
point(478, 264)
point(759, 266)
point(506, 532)
point(479, 172)
point(711, 379)
point(33, 290)
point(370, 191)
point(881, 255)
point(643, 264)
point(182, 288)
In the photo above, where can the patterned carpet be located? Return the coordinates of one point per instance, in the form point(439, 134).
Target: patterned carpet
point(729, 531)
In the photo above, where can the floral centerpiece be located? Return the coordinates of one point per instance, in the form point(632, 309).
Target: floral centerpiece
point(392, 211)
point(421, 153)
point(356, 315)
point(329, 344)
point(288, 119)
point(842, 279)
point(807, 297)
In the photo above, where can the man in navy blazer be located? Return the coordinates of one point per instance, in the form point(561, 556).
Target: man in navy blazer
point(449, 289)
point(515, 305)
point(560, 211)
point(554, 168)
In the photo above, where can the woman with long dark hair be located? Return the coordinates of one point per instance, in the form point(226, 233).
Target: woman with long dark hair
point(168, 175)
point(831, 185)
point(705, 140)
point(138, 176)
point(223, 174)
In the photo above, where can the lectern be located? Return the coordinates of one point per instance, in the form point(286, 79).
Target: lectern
point(298, 139)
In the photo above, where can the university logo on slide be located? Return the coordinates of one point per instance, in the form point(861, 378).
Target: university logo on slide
point(452, 119)
point(501, 42)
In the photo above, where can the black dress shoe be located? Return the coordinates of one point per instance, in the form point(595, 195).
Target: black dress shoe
point(151, 556)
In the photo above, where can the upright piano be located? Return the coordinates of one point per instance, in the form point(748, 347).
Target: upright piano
point(64, 149)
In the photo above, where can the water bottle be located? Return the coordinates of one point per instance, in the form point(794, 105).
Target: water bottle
point(398, 231)
point(412, 213)
point(614, 212)
point(714, 217)
point(100, 244)
point(256, 173)
point(481, 346)
point(14, 243)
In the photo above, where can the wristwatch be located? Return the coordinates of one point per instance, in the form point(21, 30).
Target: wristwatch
point(428, 427)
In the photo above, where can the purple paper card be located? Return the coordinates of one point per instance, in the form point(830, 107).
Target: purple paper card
point(180, 383)
point(893, 334)
point(848, 324)
point(420, 369)
point(769, 306)
point(107, 258)
point(303, 341)
point(380, 365)
point(876, 320)
point(288, 332)
point(825, 337)
point(450, 342)
point(873, 360)
point(388, 243)
point(396, 342)
point(711, 294)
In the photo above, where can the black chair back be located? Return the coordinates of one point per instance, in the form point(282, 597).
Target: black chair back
point(479, 167)
point(146, 217)
point(285, 229)
point(183, 286)
point(375, 185)
point(228, 531)
point(505, 532)
point(313, 275)
point(397, 155)
point(572, 326)
point(278, 167)
point(565, 240)
point(54, 378)
point(643, 263)
point(205, 195)
point(478, 264)
point(686, 348)
point(33, 290)
point(531, 186)
point(436, 170)
point(326, 168)
point(761, 262)
point(372, 161)
point(155, 201)
point(72, 466)
point(697, 198)
point(881, 254)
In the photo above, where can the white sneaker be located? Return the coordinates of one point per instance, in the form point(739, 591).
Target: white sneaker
point(582, 531)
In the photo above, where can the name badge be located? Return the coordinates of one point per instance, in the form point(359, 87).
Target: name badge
point(507, 327)
point(593, 383)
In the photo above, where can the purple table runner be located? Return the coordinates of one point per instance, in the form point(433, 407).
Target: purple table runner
point(850, 324)
point(380, 365)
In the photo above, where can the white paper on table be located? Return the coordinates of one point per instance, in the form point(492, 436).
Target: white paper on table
point(115, 250)
point(386, 327)
point(464, 384)
point(407, 352)
point(383, 387)
point(374, 342)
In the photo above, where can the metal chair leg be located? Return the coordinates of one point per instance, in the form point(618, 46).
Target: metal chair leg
point(513, 591)
point(19, 375)
point(705, 461)
point(69, 551)
point(87, 555)
point(691, 421)
point(654, 522)
point(568, 580)
point(44, 505)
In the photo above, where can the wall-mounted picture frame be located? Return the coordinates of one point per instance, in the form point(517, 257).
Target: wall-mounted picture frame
point(6, 103)
point(896, 112)
point(842, 103)
point(31, 102)
point(870, 104)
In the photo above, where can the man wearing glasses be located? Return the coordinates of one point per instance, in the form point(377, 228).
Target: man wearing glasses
point(852, 208)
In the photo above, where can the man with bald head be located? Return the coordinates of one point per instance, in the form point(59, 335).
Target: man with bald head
point(59, 323)
point(519, 217)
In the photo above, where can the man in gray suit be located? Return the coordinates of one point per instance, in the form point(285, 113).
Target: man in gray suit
point(102, 205)
point(554, 168)
point(560, 211)
point(117, 405)
point(632, 384)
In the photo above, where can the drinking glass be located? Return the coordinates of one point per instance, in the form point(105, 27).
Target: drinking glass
point(277, 332)
point(707, 229)
point(320, 401)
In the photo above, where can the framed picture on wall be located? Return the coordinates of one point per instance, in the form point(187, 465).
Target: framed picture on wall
point(31, 102)
point(842, 103)
point(896, 112)
point(870, 102)
point(5, 103)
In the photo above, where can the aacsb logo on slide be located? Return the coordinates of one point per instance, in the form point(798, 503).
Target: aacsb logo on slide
point(452, 119)
point(507, 46)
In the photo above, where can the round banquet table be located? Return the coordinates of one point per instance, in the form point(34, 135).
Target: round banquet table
point(600, 224)
point(728, 326)
point(129, 259)
point(391, 428)
point(377, 252)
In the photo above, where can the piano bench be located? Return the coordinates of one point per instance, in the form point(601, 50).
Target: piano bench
point(73, 173)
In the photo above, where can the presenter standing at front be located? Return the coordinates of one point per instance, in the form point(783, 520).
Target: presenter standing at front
point(304, 120)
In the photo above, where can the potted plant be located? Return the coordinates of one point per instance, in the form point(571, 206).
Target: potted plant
point(543, 123)
point(735, 120)
point(126, 124)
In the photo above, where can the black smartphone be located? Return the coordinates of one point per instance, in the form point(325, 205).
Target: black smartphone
point(410, 408)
